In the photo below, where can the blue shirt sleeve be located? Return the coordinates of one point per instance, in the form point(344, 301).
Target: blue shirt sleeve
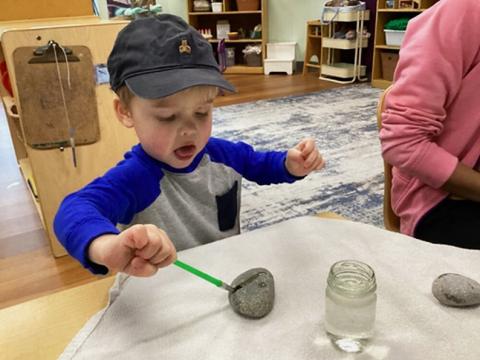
point(114, 198)
point(262, 167)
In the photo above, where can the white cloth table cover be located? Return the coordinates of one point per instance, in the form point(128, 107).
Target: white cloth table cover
point(175, 315)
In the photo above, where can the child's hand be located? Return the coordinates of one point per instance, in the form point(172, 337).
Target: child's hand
point(139, 251)
point(304, 158)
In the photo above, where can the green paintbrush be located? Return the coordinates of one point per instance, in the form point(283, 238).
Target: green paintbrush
point(204, 276)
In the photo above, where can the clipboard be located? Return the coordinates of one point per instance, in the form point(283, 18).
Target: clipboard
point(43, 115)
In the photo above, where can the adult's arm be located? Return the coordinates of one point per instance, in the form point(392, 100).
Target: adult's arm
point(439, 49)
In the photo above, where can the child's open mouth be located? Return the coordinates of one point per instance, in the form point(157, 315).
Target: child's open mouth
point(185, 152)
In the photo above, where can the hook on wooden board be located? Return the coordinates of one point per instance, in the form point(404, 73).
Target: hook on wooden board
point(46, 54)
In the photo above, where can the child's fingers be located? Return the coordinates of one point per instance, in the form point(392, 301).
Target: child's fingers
point(319, 164)
point(135, 237)
point(300, 146)
point(295, 155)
point(306, 146)
point(167, 261)
point(166, 251)
point(311, 159)
point(140, 267)
point(155, 240)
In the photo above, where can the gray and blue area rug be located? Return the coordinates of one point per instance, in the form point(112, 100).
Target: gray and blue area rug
point(343, 122)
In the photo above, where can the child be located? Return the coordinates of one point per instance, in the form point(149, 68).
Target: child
point(431, 126)
point(180, 186)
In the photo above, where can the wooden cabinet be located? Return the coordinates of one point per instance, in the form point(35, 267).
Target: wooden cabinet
point(382, 71)
point(237, 20)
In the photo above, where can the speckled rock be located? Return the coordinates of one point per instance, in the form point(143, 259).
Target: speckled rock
point(456, 290)
point(254, 294)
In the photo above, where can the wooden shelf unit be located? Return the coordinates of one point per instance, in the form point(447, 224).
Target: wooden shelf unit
point(313, 46)
point(246, 20)
point(385, 14)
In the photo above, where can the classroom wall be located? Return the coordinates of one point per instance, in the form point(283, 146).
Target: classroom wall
point(287, 21)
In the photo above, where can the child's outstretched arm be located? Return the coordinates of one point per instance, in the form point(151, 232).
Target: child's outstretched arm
point(304, 158)
point(115, 198)
point(139, 251)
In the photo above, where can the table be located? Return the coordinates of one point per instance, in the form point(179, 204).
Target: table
point(174, 315)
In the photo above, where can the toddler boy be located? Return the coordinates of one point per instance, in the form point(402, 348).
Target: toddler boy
point(178, 187)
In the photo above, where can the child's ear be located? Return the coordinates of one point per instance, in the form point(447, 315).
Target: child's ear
point(123, 114)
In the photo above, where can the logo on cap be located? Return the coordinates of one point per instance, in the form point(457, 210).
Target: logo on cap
point(184, 48)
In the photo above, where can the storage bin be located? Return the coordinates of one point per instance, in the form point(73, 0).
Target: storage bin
point(252, 55)
point(201, 5)
point(281, 51)
point(217, 7)
point(389, 62)
point(253, 59)
point(248, 5)
point(280, 58)
point(394, 37)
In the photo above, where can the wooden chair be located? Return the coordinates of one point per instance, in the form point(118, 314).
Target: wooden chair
point(390, 219)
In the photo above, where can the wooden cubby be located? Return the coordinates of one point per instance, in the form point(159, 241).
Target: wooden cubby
point(385, 14)
point(246, 20)
point(313, 46)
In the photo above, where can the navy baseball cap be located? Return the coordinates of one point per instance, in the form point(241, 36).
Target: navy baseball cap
point(160, 55)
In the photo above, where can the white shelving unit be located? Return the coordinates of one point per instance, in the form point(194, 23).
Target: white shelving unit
point(332, 69)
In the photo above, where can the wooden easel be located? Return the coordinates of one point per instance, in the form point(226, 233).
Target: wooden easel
point(51, 170)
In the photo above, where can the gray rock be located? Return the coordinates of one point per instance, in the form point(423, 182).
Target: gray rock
point(254, 293)
point(456, 290)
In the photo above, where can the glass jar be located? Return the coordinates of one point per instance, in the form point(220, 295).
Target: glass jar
point(350, 304)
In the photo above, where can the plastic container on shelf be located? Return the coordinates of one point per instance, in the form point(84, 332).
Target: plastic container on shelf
point(217, 7)
point(394, 37)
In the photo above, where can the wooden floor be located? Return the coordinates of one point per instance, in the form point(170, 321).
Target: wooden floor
point(27, 268)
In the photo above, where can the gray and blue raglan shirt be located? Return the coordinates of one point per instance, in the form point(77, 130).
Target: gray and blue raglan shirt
point(194, 205)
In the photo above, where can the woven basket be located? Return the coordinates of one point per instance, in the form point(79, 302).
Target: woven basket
point(248, 5)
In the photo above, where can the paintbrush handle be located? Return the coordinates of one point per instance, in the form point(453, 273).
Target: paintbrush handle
point(200, 274)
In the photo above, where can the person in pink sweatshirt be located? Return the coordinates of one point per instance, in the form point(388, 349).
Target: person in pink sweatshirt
point(431, 126)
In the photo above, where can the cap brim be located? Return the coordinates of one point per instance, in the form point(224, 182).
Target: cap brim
point(168, 82)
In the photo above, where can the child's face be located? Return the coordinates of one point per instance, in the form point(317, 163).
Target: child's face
point(173, 129)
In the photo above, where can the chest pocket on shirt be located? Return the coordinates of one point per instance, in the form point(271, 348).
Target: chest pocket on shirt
point(227, 208)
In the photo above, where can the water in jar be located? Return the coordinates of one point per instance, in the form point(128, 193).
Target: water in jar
point(350, 306)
